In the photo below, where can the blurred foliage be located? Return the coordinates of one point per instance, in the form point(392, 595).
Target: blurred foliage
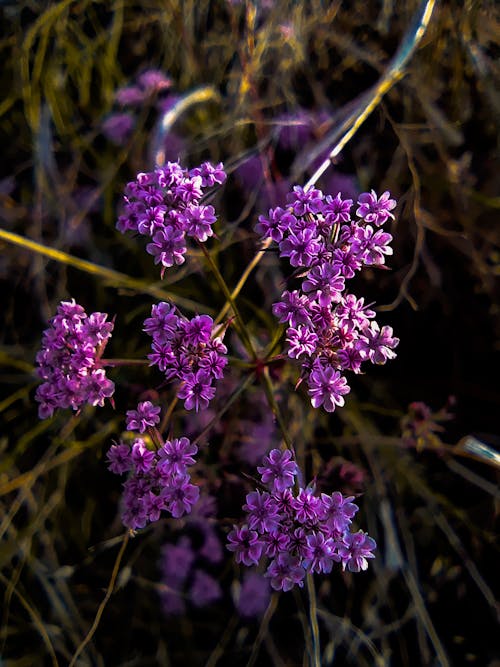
point(431, 504)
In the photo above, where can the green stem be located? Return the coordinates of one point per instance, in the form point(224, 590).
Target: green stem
point(243, 331)
point(315, 658)
point(115, 363)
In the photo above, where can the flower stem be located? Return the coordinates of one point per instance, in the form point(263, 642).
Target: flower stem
point(315, 658)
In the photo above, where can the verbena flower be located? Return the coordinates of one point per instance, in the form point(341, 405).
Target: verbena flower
point(297, 531)
point(330, 330)
point(69, 360)
point(187, 351)
point(166, 205)
point(145, 415)
point(157, 481)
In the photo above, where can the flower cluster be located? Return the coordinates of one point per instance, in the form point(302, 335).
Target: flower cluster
point(187, 565)
point(165, 206)
point(158, 480)
point(186, 350)
point(329, 329)
point(299, 532)
point(69, 360)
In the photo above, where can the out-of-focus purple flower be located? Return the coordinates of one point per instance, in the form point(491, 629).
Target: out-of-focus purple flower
point(254, 595)
point(129, 96)
point(204, 589)
point(177, 560)
point(153, 80)
point(118, 127)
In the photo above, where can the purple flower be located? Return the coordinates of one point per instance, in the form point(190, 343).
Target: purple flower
point(301, 247)
point(377, 344)
point(246, 545)
point(285, 571)
point(254, 595)
point(163, 322)
point(355, 549)
point(196, 391)
point(176, 455)
point(337, 511)
point(307, 506)
point(262, 512)
point(337, 210)
point(146, 415)
point(293, 308)
point(279, 470)
point(180, 496)
point(275, 224)
point(177, 560)
point(375, 210)
point(142, 458)
point(204, 589)
point(327, 387)
point(327, 281)
point(371, 246)
point(319, 555)
point(305, 201)
point(119, 460)
point(118, 127)
point(302, 341)
point(69, 360)
point(198, 330)
point(168, 247)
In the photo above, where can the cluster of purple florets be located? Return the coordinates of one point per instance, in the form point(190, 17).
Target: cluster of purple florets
point(158, 480)
point(188, 351)
point(165, 206)
point(329, 329)
point(299, 532)
point(69, 360)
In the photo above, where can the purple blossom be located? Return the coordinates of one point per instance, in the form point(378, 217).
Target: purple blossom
point(146, 415)
point(327, 387)
point(306, 506)
point(142, 458)
point(292, 308)
point(286, 571)
point(246, 545)
point(355, 549)
point(319, 555)
point(177, 560)
point(375, 210)
point(180, 496)
point(118, 127)
point(176, 455)
point(302, 341)
point(301, 247)
point(69, 360)
point(119, 460)
point(254, 595)
point(279, 470)
point(337, 511)
point(377, 344)
point(168, 247)
point(204, 589)
point(262, 512)
point(337, 210)
point(197, 390)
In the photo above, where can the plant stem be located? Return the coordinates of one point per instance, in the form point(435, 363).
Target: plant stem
point(315, 658)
